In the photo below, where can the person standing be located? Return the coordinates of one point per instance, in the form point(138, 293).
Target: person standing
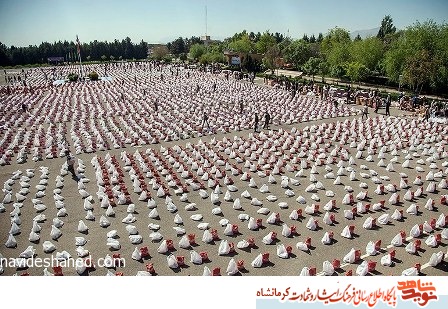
point(401, 95)
point(205, 121)
point(414, 101)
point(377, 101)
point(267, 118)
point(70, 163)
point(256, 122)
point(388, 102)
point(241, 107)
point(365, 111)
point(427, 113)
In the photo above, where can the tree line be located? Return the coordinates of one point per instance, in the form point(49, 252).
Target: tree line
point(416, 57)
point(92, 51)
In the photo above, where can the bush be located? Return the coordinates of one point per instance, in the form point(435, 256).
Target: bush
point(167, 59)
point(73, 77)
point(93, 75)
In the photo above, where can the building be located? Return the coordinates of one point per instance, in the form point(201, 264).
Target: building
point(234, 58)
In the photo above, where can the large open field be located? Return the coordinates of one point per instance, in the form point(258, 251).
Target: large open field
point(147, 170)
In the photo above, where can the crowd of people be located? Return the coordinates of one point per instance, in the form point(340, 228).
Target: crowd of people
point(421, 106)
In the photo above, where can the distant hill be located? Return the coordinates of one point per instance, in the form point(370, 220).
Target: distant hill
point(364, 33)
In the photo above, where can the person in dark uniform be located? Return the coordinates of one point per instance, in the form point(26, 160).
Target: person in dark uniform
point(267, 118)
point(256, 122)
point(365, 111)
point(376, 101)
point(205, 121)
point(71, 163)
point(427, 113)
point(388, 102)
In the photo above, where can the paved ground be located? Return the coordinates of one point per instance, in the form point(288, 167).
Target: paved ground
point(278, 142)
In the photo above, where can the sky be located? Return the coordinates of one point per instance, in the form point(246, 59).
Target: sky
point(30, 22)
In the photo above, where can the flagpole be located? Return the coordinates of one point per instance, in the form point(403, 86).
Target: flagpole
point(79, 56)
point(80, 64)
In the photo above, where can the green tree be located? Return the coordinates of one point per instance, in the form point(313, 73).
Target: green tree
point(211, 57)
point(320, 37)
point(250, 65)
point(297, 53)
point(338, 56)
point(183, 56)
point(440, 81)
point(242, 45)
point(368, 52)
point(205, 59)
point(357, 71)
point(312, 65)
point(271, 58)
point(278, 37)
point(159, 52)
point(167, 58)
point(265, 42)
point(387, 27)
point(394, 59)
point(177, 47)
point(324, 69)
point(334, 36)
point(420, 55)
point(197, 50)
point(4, 57)
point(338, 70)
point(335, 49)
point(191, 41)
point(419, 69)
